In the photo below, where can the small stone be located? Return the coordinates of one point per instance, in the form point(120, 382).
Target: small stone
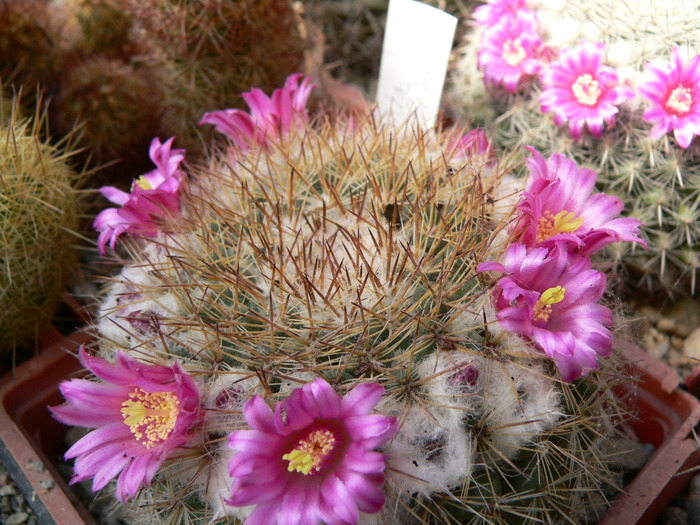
point(17, 518)
point(36, 466)
point(7, 490)
point(47, 484)
point(674, 516)
point(648, 313)
point(682, 318)
point(695, 485)
point(656, 343)
point(691, 346)
point(692, 507)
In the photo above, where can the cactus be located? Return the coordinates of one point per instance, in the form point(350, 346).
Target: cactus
point(115, 105)
point(39, 210)
point(28, 43)
point(331, 256)
point(656, 179)
point(156, 66)
point(211, 51)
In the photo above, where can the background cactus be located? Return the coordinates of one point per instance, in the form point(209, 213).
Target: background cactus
point(40, 206)
point(155, 67)
point(348, 250)
point(657, 179)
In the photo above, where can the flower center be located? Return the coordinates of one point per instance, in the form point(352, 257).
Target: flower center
point(679, 101)
point(586, 90)
point(309, 453)
point(551, 225)
point(513, 52)
point(143, 183)
point(151, 416)
point(543, 307)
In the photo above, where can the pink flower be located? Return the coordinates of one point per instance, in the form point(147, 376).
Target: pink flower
point(312, 460)
point(581, 91)
point(510, 51)
point(549, 297)
point(153, 197)
point(494, 11)
point(674, 93)
point(559, 207)
point(140, 413)
point(269, 117)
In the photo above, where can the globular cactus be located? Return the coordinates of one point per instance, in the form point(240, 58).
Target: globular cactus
point(40, 206)
point(28, 43)
point(211, 51)
point(657, 178)
point(319, 265)
point(155, 67)
point(116, 106)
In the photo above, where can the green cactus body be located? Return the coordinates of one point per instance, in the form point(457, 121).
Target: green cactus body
point(39, 209)
point(348, 251)
point(656, 179)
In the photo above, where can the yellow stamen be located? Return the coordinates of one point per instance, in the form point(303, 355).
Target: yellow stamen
point(543, 307)
point(513, 52)
point(151, 416)
point(586, 90)
point(680, 100)
point(310, 453)
point(551, 225)
point(143, 182)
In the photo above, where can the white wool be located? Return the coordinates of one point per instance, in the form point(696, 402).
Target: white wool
point(563, 31)
point(622, 53)
point(442, 381)
point(431, 452)
point(217, 486)
point(520, 402)
point(591, 32)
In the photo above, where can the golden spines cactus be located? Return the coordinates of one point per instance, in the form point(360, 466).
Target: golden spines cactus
point(40, 205)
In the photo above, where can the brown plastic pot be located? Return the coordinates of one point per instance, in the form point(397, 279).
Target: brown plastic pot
point(666, 418)
point(30, 439)
point(29, 436)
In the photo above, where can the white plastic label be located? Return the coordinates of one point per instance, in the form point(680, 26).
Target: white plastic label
point(417, 44)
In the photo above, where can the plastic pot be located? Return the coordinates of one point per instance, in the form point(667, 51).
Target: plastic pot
point(30, 439)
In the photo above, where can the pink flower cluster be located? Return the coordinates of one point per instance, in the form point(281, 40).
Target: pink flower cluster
point(312, 460)
point(577, 87)
point(549, 293)
point(155, 195)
